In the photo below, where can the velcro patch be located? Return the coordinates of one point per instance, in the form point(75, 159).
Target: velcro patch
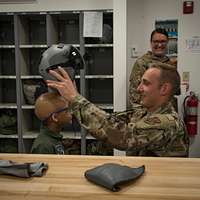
point(152, 120)
point(170, 117)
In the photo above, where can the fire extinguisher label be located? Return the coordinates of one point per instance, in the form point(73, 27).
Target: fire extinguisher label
point(192, 122)
point(192, 111)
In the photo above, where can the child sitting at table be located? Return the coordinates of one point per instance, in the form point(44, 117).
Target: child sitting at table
point(52, 110)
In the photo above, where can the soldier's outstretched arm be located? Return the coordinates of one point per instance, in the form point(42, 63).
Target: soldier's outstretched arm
point(148, 133)
point(122, 133)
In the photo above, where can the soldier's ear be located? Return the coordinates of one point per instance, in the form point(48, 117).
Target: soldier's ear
point(165, 89)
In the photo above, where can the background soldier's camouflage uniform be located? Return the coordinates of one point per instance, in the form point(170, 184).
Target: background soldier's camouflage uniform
point(161, 133)
point(140, 66)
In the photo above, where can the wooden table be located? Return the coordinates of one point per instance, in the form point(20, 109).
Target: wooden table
point(165, 178)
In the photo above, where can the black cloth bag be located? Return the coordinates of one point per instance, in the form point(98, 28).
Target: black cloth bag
point(112, 175)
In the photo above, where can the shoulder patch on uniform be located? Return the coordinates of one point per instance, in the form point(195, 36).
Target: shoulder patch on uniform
point(152, 120)
point(169, 117)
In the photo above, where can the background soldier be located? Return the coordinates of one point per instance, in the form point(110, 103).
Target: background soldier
point(155, 131)
point(159, 41)
point(52, 110)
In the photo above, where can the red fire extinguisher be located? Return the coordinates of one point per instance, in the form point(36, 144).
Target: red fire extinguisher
point(191, 113)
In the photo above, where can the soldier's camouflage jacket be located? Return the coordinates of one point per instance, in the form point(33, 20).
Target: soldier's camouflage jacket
point(140, 66)
point(161, 133)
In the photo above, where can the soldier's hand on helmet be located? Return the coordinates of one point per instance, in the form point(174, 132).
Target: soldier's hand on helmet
point(64, 85)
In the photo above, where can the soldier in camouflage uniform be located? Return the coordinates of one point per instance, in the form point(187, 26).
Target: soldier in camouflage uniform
point(155, 131)
point(159, 40)
point(52, 109)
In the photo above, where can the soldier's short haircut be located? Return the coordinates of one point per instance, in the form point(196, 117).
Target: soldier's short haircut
point(168, 74)
point(159, 30)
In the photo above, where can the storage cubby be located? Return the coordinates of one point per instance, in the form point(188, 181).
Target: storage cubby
point(8, 122)
point(32, 29)
point(27, 142)
point(107, 35)
point(65, 28)
point(7, 91)
point(99, 61)
point(6, 29)
point(7, 61)
point(8, 145)
point(30, 88)
point(30, 58)
point(99, 91)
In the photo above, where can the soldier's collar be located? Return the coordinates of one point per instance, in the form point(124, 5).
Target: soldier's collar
point(162, 109)
point(47, 131)
point(160, 59)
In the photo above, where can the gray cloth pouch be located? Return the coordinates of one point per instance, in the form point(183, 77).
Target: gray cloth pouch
point(25, 170)
point(112, 175)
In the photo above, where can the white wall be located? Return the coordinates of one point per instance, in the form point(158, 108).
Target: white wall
point(135, 30)
point(140, 21)
point(119, 54)
point(120, 57)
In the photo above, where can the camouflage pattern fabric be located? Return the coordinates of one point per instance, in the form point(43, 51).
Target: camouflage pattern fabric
point(8, 122)
point(72, 147)
point(140, 66)
point(48, 142)
point(161, 133)
point(99, 148)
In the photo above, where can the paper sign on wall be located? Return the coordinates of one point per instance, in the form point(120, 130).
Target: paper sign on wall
point(193, 44)
point(93, 24)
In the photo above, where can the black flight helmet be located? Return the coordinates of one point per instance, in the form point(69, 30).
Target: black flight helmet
point(66, 56)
